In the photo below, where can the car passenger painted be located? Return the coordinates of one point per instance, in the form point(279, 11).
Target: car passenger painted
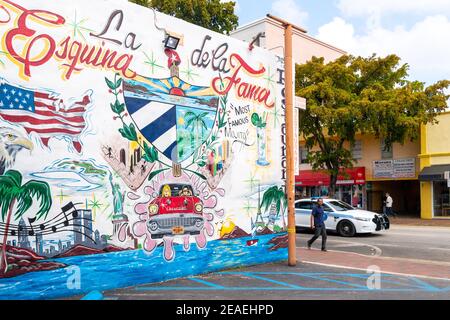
point(175, 211)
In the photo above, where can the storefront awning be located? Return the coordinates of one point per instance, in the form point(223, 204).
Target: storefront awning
point(309, 178)
point(434, 173)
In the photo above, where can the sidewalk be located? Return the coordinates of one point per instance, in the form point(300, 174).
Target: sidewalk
point(402, 266)
point(411, 221)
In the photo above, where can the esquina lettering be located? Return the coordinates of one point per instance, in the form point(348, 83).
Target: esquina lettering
point(74, 54)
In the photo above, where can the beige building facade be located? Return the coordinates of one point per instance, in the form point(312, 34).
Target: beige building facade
point(305, 46)
point(376, 170)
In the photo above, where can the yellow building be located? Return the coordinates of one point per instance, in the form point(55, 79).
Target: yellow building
point(434, 163)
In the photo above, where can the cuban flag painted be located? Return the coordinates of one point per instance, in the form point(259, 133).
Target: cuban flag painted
point(174, 116)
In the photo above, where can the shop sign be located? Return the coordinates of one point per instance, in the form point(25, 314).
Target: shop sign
point(398, 168)
point(447, 177)
point(405, 168)
point(383, 169)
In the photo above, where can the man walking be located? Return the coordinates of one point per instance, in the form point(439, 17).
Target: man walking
point(389, 202)
point(318, 215)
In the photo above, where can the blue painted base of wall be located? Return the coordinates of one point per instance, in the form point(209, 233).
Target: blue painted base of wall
point(85, 274)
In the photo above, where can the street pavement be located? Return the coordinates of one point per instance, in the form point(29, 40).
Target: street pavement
point(412, 263)
point(409, 242)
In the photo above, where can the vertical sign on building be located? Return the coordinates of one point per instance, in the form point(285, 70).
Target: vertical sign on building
point(296, 141)
point(447, 177)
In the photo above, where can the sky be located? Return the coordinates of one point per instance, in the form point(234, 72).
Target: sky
point(416, 30)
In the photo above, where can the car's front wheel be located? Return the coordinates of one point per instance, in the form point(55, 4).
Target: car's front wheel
point(346, 229)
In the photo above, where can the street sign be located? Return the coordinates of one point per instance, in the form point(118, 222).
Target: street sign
point(296, 141)
point(300, 103)
point(447, 177)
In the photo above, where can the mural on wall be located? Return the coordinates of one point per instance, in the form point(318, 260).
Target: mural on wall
point(121, 152)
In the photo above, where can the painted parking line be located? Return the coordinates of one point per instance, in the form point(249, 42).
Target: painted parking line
point(337, 266)
point(93, 295)
point(320, 276)
point(365, 277)
point(272, 289)
point(426, 285)
point(210, 284)
point(255, 276)
point(412, 285)
point(315, 277)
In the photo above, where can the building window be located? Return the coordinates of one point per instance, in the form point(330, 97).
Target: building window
point(357, 150)
point(441, 199)
point(303, 155)
point(386, 153)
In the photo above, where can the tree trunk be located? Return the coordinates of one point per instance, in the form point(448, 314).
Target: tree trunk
point(332, 189)
point(3, 259)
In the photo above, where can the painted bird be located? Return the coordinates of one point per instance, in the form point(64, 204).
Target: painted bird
point(11, 142)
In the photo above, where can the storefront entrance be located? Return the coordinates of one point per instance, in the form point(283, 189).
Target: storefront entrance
point(438, 176)
point(405, 193)
point(350, 186)
point(441, 199)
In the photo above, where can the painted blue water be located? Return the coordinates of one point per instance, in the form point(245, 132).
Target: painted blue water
point(128, 268)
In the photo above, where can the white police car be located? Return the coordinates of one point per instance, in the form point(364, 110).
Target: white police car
point(341, 217)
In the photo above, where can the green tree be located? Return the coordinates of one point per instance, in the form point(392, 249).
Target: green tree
point(211, 14)
point(276, 196)
point(15, 195)
point(197, 123)
point(361, 95)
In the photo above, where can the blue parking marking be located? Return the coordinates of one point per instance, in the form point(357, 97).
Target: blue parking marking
point(425, 285)
point(413, 285)
point(93, 295)
point(384, 276)
point(267, 289)
point(206, 283)
point(248, 274)
point(334, 281)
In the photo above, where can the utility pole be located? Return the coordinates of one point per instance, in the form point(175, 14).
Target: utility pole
point(289, 112)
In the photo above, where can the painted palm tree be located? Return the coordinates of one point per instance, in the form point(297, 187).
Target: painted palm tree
point(196, 122)
point(275, 195)
point(15, 195)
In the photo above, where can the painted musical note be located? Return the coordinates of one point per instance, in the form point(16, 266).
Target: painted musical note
point(67, 208)
point(30, 221)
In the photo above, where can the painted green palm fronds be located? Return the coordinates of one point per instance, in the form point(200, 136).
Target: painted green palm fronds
point(196, 121)
point(12, 193)
point(277, 196)
point(11, 188)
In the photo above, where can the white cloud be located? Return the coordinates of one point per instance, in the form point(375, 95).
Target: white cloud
point(290, 11)
point(424, 46)
point(383, 7)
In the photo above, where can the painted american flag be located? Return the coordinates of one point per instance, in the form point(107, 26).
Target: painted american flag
point(43, 113)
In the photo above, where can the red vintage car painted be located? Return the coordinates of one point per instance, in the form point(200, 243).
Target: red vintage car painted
point(175, 211)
